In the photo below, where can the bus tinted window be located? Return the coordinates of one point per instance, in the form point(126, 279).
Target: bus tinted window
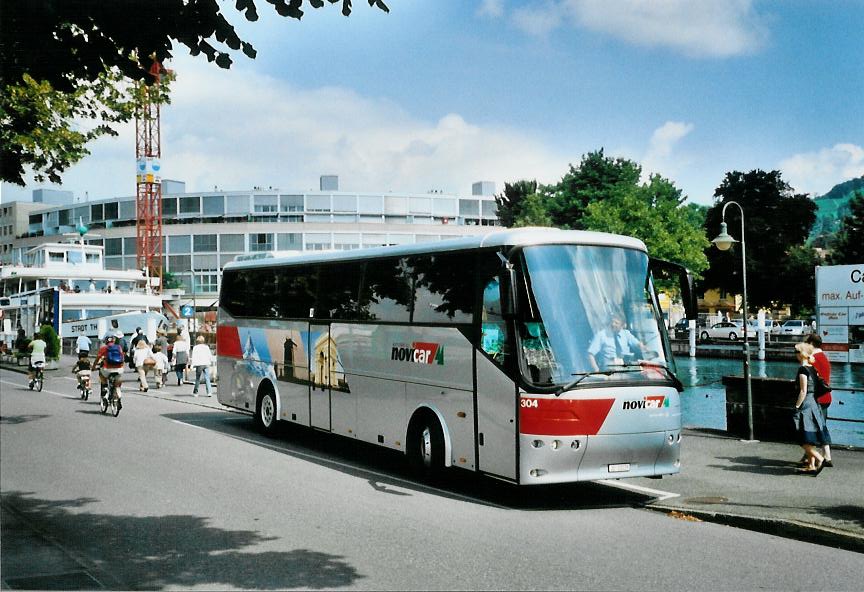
point(387, 294)
point(235, 290)
point(443, 287)
point(296, 287)
point(338, 290)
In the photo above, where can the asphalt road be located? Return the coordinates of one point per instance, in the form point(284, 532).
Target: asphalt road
point(174, 495)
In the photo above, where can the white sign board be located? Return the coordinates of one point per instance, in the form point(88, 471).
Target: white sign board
point(831, 334)
point(856, 316)
point(840, 310)
point(833, 316)
point(840, 285)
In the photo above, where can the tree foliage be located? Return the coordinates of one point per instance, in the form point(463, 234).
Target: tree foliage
point(596, 177)
point(848, 247)
point(64, 54)
point(511, 202)
point(653, 213)
point(775, 221)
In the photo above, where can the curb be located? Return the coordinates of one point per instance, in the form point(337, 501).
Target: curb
point(790, 529)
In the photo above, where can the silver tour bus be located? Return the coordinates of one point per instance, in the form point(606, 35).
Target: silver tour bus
point(533, 355)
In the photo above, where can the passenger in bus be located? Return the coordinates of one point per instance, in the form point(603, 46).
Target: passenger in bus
point(613, 346)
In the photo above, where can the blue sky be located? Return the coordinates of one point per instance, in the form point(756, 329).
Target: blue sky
point(440, 93)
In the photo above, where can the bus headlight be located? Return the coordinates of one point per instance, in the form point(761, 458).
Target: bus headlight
point(556, 444)
point(537, 444)
point(537, 472)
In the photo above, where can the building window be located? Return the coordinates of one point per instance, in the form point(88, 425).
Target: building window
point(213, 205)
point(127, 210)
point(55, 257)
point(178, 263)
point(261, 241)
point(237, 204)
point(289, 241)
point(207, 282)
point(291, 203)
point(169, 206)
point(317, 203)
point(204, 243)
point(232, 243)
point(113, 246)
point(205, 262)
point(179, 244)
point(190, 205)
point(96, 212)
point(63, 219)
point(129, 245)
point(265, 204)
point(111, 211)
point(469, 207)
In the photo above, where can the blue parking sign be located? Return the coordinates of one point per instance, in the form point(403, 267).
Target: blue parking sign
point(187, 311)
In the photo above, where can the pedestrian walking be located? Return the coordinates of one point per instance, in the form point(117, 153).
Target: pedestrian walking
point(181, 357)
point(822, 365)
point(810, 424)
point(202, 359)
point(162, 367)
point(162, 341)
point(82, 345)
point(144, 361)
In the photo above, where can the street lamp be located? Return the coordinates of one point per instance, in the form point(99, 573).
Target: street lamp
point(723, 242)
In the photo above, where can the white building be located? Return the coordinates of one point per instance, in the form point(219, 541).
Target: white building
point(205, 230)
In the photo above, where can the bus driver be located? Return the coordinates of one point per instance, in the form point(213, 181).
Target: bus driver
point(613, 346)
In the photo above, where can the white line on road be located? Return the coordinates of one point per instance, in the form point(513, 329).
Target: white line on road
point(56, 394)
point(656, 493)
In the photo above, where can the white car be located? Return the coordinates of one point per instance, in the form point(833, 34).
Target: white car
point(722, 330)
point(794, 327)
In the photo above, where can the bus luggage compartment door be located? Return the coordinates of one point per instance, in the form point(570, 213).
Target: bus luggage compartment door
point(496, 420)
point(321, 359)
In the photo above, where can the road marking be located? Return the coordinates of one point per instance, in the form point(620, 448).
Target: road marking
point(656, 493)
point(44, 390)
point(328, 460)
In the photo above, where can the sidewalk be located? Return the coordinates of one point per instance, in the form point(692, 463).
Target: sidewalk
point(750, 485)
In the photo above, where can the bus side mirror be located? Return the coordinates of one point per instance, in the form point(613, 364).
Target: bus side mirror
point(673, 271)
point(509, 301)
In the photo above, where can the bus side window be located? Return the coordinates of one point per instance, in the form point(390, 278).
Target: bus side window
point(493, 328)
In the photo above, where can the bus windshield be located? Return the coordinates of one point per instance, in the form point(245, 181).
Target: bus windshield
point(589, 314)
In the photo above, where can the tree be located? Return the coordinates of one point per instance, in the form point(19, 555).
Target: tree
point(798, 276)
point(52, 342)
point(511, 201)
point(653, 212)
point(776, 220)
point(69, 45)
point(596, 177)
point(848, 247)
point(535, 212)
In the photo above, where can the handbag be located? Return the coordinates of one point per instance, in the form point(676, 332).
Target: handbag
point(820, 387)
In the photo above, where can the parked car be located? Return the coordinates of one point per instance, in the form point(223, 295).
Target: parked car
point(682, 329)
point(794, 327)
point(722, 330)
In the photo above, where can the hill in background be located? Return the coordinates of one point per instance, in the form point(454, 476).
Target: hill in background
point(833, 206)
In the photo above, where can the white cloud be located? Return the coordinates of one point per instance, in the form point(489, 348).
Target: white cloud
point(491, 8)
point(237, 130)
point(698, 28)
point(659, 156)
point(817, 172)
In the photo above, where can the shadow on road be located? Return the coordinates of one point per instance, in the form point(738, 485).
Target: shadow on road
point(172, 551)
point(387, 472)
point(16, 419)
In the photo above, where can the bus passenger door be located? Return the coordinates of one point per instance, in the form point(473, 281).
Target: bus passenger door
point(496, 391)
point(321, 359)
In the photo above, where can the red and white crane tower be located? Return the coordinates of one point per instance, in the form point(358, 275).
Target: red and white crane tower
point(148, 200)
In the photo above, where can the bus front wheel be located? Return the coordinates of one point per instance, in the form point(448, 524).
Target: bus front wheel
point(265, 412)
point(426, 447)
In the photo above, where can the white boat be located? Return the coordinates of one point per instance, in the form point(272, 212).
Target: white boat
point(66, 285)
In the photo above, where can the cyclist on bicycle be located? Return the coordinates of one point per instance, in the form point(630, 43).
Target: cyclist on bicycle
point(110, 361)
point(37, 356)
point(82, 371)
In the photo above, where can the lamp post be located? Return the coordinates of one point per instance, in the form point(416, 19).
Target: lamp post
point(723, 242)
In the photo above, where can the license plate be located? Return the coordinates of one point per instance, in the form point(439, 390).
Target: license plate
point(619, 468)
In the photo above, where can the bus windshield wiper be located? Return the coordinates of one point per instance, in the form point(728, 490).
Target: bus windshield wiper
point(646, 365)
point(583, 375)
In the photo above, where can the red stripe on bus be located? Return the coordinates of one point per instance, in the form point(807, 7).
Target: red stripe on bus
point(563, 417)
point(228, 342)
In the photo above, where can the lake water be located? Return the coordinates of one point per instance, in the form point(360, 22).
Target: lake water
point(703, 402)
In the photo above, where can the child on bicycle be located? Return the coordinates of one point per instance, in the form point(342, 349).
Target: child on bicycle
point(82, 370)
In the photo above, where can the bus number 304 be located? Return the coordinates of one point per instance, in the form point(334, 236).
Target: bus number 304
point(528, 403)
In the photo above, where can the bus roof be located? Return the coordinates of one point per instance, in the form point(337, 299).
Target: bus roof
point(511, 237)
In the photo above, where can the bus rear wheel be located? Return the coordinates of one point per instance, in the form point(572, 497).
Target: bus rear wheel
point(426, 448)
point(265, 412)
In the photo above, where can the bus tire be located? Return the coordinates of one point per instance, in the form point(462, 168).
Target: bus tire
point(426, 447)
point(265, 410)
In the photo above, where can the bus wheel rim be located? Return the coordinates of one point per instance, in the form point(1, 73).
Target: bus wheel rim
point(426, 447)
point(267, 411)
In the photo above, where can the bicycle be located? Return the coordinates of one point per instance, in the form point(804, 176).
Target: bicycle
point(111, 399)
point(38, 378)
point(84, 387)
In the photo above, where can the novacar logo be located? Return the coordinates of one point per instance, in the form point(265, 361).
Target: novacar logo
point(649, 402)
point(418, 353)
